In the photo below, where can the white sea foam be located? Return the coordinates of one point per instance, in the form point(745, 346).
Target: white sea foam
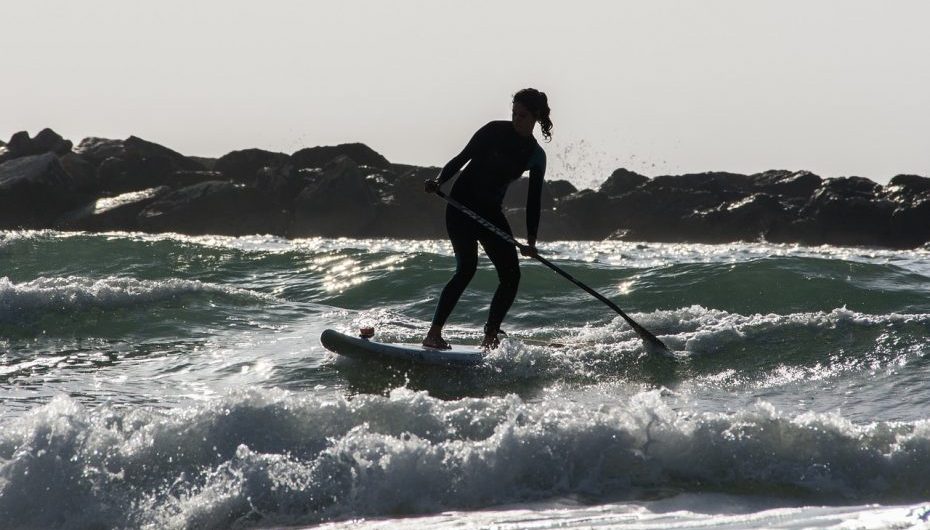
point(270, 457)
point(612, 253)
point(78, 292)
point(686, 511)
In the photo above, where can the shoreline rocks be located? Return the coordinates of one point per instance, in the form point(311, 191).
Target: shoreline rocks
point(350, 190)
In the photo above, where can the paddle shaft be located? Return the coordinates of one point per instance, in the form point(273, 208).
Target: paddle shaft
point(641, 331)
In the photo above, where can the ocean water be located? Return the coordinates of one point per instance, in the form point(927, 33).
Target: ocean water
point(165, 381)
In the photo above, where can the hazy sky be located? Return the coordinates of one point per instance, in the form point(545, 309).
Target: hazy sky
point(839, 87)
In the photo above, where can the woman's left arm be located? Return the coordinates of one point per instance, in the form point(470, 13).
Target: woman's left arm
point(537, 166)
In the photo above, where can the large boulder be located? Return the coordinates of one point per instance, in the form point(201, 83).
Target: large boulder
point(95, 150)
point(143, 149)
point(34, 191)
point(750, 219)
point(137, 164)
point(588, 214)
point(46, 141)
point(622, 181)
point(284, 183)
point(338, 202)
point(82, 171)
point(244, 165)
point(111, 213)
point(185, 177)
point(908, 188)
point(553, 226)
point(845, 211)
point(320, 156)
point(214, 207)
point(910, 224)
point(405, 210)
point(121, 175)
point(720, 183)
point(787, 184)
point(20, 144)
point(207, 162)
point(561, 188)
point(662, 213)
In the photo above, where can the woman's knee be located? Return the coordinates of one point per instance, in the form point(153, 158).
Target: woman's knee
point(465, 270)
point(509, 275)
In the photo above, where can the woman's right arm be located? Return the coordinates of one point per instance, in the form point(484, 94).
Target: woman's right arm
point(458, 161)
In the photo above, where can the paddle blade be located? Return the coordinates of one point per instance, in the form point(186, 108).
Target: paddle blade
point(652, 343)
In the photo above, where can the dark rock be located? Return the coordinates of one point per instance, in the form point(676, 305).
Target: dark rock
point(381, 181)
point(284, 183)
point(121, 175)
point(143, 149)
point(111, 213)
point(622, 181)
point(553, 226)
point(20, 144)
point(400, 169)
point(845, 211)
point(337, 203)
point(664, 213)
point(244, 165)
point(318, 157)
point(787, 184)
point(214, 207)
point(518, 191)
point(43, 171)
point(96, 150)
point(910, 224)
point(34, 191)
point(910, 220)
point(850, 186)
point(719, 183)
point(750, 219)
point(140, 165)
point(405, 210)
point(561, 188)
point(48, 141)
point(208, 163)
point(589, 214)
point(184, 178)
point(84, 174)
point(908, 187)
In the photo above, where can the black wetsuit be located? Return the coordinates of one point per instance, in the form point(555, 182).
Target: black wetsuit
point(497, 156)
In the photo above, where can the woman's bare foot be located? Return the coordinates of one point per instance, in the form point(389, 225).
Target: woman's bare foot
point(491, 339)
point(435, 342)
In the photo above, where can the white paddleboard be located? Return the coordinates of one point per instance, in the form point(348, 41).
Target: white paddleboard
point(361, 348)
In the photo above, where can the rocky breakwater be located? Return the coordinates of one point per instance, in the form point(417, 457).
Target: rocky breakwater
point(350, 190)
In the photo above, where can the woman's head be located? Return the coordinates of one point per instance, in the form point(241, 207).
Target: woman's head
point(535, 102)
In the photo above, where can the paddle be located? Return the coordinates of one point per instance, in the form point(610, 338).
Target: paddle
point(649, 339)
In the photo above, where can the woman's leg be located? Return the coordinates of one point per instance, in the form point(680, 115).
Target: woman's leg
point(462, 234)
point(504, 257)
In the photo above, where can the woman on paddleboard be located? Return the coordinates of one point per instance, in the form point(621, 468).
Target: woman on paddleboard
point(497, 155)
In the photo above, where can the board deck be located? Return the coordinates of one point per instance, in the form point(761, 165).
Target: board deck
point(359, 348)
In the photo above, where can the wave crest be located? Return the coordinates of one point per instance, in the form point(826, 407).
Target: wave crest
point(279, 458)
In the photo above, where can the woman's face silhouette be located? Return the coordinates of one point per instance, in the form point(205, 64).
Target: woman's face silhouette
point(523, 120)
